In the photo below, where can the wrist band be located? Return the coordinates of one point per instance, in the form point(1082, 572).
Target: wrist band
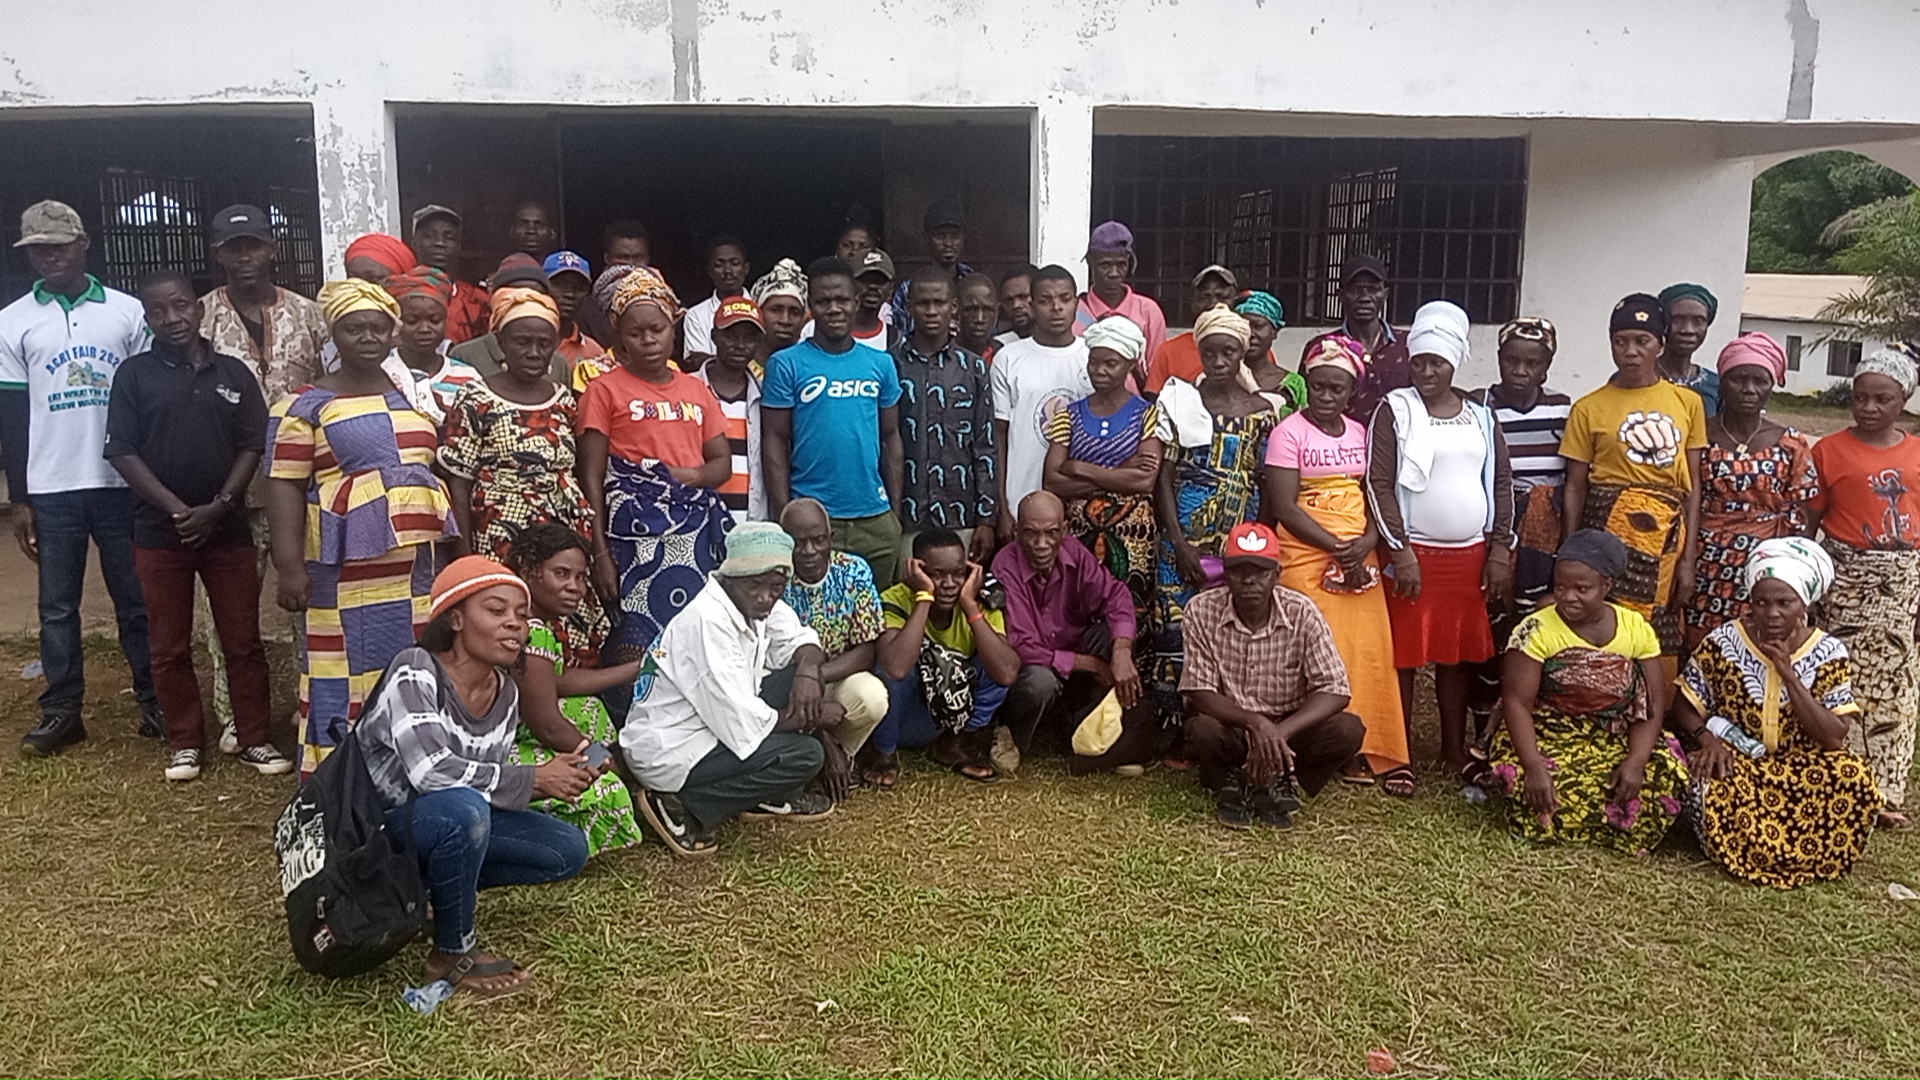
point(976, 616)
point(923, 597)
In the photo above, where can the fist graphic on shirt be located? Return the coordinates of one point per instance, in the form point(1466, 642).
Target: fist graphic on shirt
point(1651, 438)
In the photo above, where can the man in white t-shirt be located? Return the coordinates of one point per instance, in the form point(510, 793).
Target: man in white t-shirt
point(1033, 378)
point(59, 348)
point(727, 268)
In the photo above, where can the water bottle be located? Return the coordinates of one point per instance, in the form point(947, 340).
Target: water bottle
point(1736, 737)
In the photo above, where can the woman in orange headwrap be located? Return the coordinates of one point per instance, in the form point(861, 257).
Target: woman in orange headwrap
point(653, 447)
point(420, 367)
point(508, 448)
point(377, 256)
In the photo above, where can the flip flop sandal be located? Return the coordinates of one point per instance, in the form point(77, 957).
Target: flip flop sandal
point(1358, 771)
point(992, 777)
point(880, 779)
point(467, 968)
point(1398, 783)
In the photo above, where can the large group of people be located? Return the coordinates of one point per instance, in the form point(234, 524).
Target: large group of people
point(619, 565)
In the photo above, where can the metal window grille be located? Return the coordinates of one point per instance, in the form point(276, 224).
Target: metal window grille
point(294, 229)
point(1842, 358)
point(1445, 215)
point(150, 223)
point(1794, 348)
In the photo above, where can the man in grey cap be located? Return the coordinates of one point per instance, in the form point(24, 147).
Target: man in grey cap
point(278, 332)
point(873, 280)
point(436, 243)
point(60, 346)
point(1363, 307)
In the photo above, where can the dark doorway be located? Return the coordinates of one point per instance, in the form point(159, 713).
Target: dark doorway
point(780, 180)
point(147, 186)
point(783, 186)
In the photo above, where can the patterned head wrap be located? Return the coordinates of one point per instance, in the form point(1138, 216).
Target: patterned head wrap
point(607, 282)
point(1532, 328)
point(428, 281)
point(1117, 332)
point(1221, 319)
point(1755, 350)
point(1689, 291)
point(1895, 365)
point(389, 251)
point(1639, 312)
point(1440, 329)
point(1337, 350)
point(519, 302)
point(1264, 304)
point(643, 285)
point(1795, 560)
point(1602, 551)
point(785, 279)
point(348, 295)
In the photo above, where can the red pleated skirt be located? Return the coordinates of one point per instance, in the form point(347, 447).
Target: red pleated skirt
point(1447, 624)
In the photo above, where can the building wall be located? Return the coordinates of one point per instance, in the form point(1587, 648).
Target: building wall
point(1814, 337)
point(1616, 202)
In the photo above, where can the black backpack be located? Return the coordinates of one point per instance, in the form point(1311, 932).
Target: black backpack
point(353, 888)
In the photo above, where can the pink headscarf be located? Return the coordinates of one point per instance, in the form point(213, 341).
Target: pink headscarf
point(1758, 350)
point(1337, 350)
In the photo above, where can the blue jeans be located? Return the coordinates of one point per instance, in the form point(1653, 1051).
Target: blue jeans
point(466, 845)
point(908, 723)
point(65, 521)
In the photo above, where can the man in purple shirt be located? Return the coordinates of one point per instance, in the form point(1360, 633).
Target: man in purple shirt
point(1072, 623)
point(1363, 302)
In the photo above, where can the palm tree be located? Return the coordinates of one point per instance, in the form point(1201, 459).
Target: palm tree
point(1881, 243)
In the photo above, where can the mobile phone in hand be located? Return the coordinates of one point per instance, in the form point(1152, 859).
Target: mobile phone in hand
point(597, 756)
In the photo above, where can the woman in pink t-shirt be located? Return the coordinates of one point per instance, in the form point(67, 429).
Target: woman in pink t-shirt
point(1316, 463)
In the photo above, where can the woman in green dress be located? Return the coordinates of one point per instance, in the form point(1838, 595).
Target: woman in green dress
point(1779, 799)
point(1582, 757)
point(559, 712)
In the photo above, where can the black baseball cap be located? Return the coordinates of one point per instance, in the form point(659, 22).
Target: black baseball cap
point(242, 220)
point(944, 213)
point(1355, 265)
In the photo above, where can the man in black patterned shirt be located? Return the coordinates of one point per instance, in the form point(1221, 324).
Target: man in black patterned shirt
point(946, 424)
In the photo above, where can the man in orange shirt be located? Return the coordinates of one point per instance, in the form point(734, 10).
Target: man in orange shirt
point(570, 280)
point(436, 243)
point(1179, 358)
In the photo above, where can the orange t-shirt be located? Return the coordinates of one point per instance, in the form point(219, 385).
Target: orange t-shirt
point(1869, 496)
point(1179, 359)
point(669, 422)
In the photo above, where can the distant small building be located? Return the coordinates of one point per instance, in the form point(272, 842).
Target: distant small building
point(1787, 307)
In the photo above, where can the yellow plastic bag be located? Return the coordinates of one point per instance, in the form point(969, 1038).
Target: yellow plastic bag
point(1100, 730)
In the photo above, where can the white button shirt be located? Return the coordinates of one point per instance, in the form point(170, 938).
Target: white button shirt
point(699, 686)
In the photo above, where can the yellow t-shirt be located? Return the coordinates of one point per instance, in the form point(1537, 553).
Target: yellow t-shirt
point(1638, 436)
point(1544, 633)
point(897, 603)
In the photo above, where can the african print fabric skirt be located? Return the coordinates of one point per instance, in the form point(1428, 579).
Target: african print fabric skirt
point(1872, 605)
point(359, 617)
point(1122, 533)
point(1796, 815)
point(666, 538)
point(503, 509)
point(1650, 522)
point(1583, 715)
point(605, 810)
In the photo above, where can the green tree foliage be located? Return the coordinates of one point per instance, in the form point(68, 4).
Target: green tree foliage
point(1885, 249)
point(1795, 201)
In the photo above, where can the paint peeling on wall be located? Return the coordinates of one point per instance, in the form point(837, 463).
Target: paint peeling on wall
point(1806, 51)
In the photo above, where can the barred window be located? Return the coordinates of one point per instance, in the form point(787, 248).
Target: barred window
point(1445, 215)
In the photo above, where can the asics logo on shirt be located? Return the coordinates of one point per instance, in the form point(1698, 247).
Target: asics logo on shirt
point(838, 388)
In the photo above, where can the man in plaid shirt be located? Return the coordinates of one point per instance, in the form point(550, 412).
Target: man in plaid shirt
point(1265, 689)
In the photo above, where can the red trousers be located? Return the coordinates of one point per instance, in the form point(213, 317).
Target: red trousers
point(232, 579)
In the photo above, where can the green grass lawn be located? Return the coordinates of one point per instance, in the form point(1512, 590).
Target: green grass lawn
point(1047, 926)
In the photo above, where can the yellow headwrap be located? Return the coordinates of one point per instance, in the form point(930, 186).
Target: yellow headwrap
point(645, 286)
point(518, 302)
point(1221, 319)
point(339, 298)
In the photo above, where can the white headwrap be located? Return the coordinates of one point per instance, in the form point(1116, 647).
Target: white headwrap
point(1795, 560)
point(1117, 332)
point(1894, 365)
point(1439, 329)
point(785, 279)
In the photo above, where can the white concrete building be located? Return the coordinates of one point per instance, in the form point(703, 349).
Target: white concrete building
point(1787, 307)
point(1519, 156)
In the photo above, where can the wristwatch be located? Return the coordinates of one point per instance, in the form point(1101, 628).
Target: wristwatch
point(224, 499)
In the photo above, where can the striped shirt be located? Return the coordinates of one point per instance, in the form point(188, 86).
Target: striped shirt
point(742, 492)
point(418, 739)
point(1533, 437)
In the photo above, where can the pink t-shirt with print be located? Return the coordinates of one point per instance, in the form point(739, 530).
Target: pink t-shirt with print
point(1298, 444)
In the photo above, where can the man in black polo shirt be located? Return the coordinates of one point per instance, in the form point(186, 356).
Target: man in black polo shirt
point(186, 427)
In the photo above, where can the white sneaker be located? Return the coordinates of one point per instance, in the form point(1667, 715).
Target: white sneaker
point(229, 739)
point(1131, 772)
point(184, 765)
point(266, 760)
